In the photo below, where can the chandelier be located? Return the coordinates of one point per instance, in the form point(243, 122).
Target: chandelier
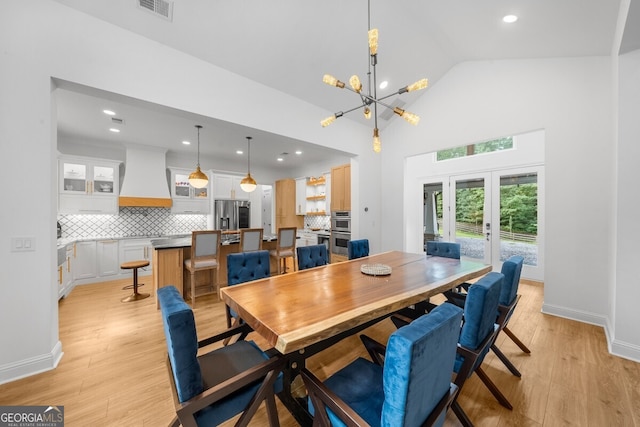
point(370, 98)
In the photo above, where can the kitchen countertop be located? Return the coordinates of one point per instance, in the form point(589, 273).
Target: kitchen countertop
point(183, 242)
point(309, 230)
point(64, 241)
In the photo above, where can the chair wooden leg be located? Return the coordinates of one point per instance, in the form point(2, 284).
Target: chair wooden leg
point(193, 289)
point(462, 416)
point(506, 361)
point(175, 422)
point(516, 340)
point(272, 411)
point(492, 388)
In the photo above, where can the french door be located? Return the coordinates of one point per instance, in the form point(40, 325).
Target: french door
point(493, 215)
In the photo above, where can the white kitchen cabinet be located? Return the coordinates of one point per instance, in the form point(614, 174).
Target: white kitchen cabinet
point(87, 185)
point(185, 198)
point(136, 250)
point(65, 273)
point(107, 257)
point(228, 187)
point(85, 257)
point(306, 239)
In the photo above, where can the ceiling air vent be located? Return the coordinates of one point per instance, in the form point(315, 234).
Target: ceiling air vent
point(117, 121)
point(388, 112)
point(159, 7)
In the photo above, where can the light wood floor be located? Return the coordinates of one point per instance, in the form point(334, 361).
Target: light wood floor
point(113, 371)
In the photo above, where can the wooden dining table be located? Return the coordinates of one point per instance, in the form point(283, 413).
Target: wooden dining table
point(304, 312)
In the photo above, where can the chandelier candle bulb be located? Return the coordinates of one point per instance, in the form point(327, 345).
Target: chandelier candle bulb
point(373, 41)
point(419, 85)
point(377, 145)
point(326, 122)
point(332, 81)
point(409, 117)
point(354, 81)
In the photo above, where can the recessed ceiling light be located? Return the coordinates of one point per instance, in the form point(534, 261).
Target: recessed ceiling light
point(510, 19)
point(384, 84)
point(239, 152)
point(186, 142)
point(114, 130)
point(109, 112)
point(298, 152)
point(280, 159)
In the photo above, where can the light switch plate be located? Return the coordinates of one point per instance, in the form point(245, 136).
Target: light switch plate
point(23, 244)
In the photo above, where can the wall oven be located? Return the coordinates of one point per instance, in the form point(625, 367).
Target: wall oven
point(341, 221)
point(339, 242)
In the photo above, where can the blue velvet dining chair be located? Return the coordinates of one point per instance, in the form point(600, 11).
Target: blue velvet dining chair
point(443, 249)
point(312, 256)
point(512, 269)
point(412, 387)
point(358, 248)
point(477, 334)
point(244, 267)
point(215, 386)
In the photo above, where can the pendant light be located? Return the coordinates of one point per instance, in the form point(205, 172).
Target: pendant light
point(198, 179)
point(248, 184)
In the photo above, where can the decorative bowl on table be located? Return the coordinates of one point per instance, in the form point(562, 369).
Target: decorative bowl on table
point(375, 269)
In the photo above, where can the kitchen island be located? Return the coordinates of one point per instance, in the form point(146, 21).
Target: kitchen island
point(169, 255)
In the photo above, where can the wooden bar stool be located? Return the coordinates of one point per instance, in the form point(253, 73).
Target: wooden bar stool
point(134, 265)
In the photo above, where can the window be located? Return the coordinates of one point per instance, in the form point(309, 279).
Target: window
point(473, 149)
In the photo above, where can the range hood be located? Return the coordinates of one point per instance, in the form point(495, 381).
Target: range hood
point(145, 178)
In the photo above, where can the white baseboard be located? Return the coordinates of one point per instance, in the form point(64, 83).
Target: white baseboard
point(31, 366)
point(617, 348)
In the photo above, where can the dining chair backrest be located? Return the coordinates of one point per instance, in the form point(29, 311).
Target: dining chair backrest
point(443, 249)
point(480, 310)
point(182, 343)
point(205, 247)
point(251, 239)
point(511, 268)
point(286, 238)
point(358, 248)
point(312, 256)
point(246, 266)
point(418, 365)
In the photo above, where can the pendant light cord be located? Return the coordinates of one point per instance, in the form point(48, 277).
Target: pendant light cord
point(198, 127)
point(249, 155)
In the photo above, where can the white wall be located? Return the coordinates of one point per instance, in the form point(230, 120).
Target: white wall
point(627, 291)
point(41, 39)
point(570, 98)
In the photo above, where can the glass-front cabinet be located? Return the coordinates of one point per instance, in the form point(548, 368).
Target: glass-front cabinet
point(188, 199)
point(88, 185)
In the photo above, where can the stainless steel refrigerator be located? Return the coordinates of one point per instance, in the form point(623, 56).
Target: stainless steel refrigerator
point(231, 214)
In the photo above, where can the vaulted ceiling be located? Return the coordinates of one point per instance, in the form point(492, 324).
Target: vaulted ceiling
point(288, 44)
